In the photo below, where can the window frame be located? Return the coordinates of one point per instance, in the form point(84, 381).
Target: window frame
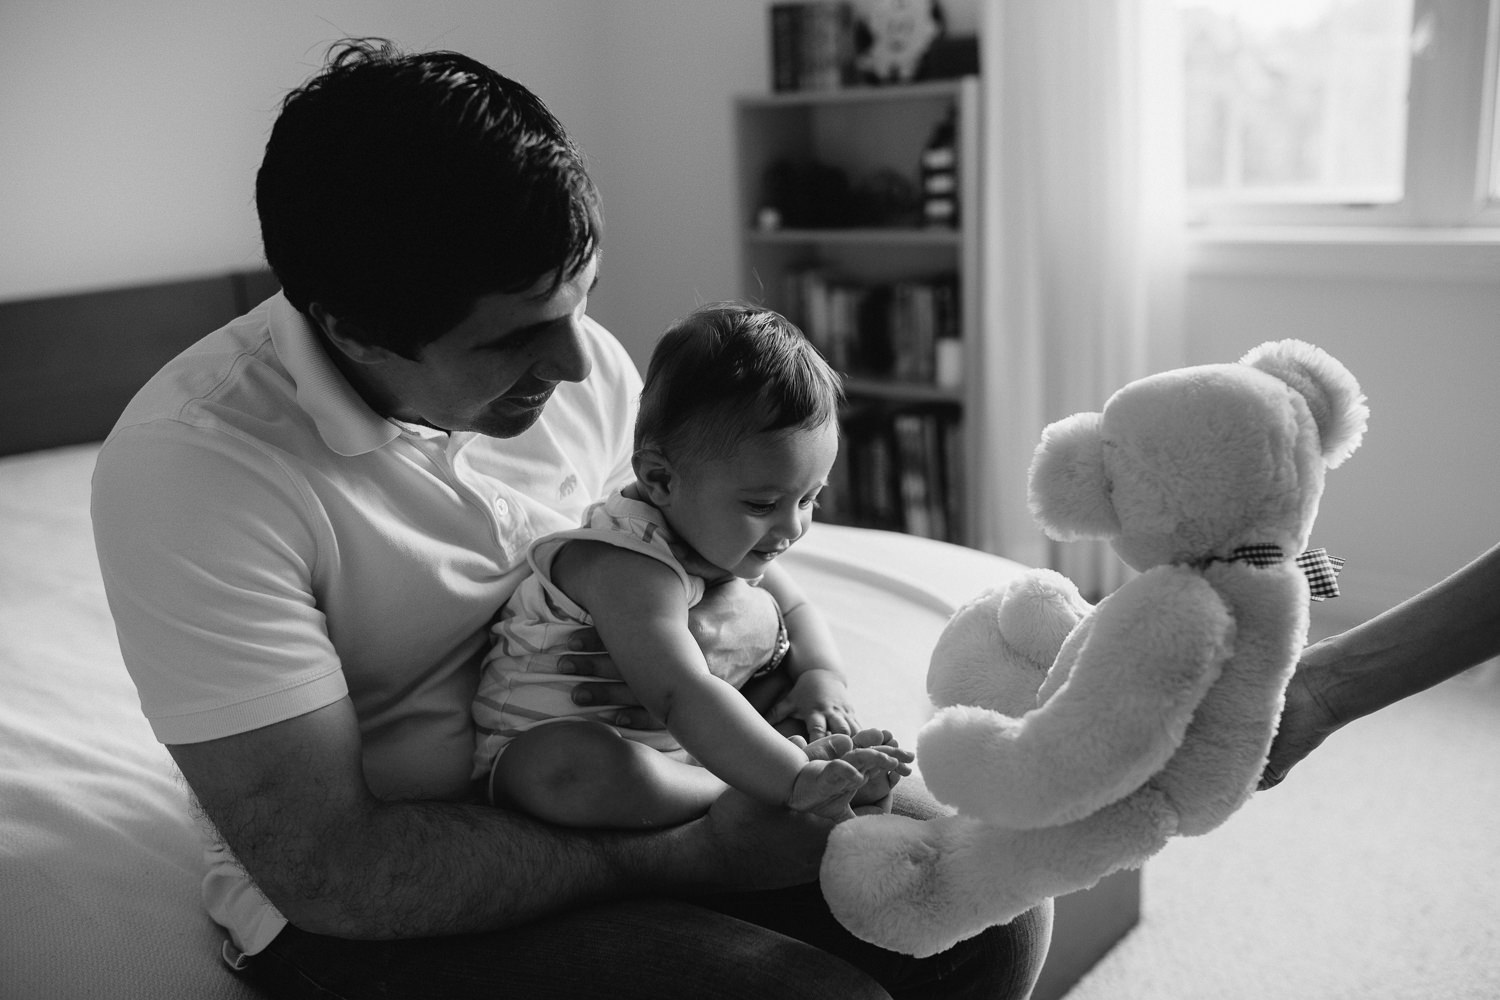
point(1449, 153)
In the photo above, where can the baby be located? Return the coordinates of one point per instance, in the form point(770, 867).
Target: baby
point(736, 435)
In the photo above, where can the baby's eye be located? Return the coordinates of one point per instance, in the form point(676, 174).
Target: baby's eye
point(808, 503)
point(759, 509)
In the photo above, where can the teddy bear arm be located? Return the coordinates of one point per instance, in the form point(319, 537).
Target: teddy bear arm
point(1224, 749)
point(1155, 648)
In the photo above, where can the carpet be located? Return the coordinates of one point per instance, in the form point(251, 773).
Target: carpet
point(1372, 872)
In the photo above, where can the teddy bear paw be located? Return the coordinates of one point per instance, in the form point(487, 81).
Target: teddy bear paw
point(882, 880)
point(996, 650)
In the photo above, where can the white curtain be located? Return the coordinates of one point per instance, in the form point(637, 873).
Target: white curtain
point(1082, 234)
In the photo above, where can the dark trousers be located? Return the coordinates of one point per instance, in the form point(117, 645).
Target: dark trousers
point(774, 945)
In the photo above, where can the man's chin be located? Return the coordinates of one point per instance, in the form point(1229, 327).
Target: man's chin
point(509, 425)
point(507, 420)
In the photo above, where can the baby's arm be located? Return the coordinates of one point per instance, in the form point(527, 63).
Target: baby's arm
point(640, 612)
point(819, 695)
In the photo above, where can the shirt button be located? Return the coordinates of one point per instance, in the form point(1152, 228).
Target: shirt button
point(501, 507)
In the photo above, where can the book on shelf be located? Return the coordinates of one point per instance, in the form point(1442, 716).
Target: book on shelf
point(905, 330)
point(898, 470)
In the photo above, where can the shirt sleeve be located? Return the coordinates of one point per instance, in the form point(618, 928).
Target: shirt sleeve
point(206, 546)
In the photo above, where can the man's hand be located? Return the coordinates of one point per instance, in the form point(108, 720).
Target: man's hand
point(735, 625)
point(756, 846)
point(587, 657)
point(759, 846)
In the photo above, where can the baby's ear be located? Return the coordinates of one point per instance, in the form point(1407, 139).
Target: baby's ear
point(654, 473)
point(1069, 491)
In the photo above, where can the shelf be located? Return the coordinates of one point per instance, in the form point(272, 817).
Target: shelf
point(857, 235)
point(924, 90)
point(865, 387)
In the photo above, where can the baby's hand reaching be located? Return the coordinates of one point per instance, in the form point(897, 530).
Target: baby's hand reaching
point(871, 764)
point(825, 788)
point(820, 701)
point(880, 779)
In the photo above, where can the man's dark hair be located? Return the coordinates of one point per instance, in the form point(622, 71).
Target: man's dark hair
point(397, 188)
point(726, 371)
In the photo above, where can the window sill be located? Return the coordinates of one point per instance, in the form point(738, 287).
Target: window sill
point(1412, 254)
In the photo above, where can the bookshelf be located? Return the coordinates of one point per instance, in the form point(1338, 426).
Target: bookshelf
point(834, 236)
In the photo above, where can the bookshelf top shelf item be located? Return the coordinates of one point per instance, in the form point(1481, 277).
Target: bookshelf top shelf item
point(922, 90)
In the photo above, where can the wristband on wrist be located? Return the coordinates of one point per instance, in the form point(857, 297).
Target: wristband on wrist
point(783, 646)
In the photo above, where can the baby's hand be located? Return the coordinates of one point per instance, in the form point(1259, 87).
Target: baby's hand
point(879, 777)
point(869, 765)
point(825, 788)
point(820, 700)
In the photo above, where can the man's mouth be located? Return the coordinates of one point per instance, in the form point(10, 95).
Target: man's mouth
point(530, 402)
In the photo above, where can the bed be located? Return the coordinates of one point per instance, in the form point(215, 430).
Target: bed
point(99, 861)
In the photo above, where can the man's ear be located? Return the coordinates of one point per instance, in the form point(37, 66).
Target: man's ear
point(654, 472)
point(344, 335)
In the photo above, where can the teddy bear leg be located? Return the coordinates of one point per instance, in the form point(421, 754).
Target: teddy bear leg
point(996, 650)
point(921, 887)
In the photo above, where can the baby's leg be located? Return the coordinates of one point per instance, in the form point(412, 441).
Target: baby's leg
point(586, 774)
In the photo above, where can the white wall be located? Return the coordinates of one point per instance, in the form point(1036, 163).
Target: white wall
point(130, 131)
point(1417, 325)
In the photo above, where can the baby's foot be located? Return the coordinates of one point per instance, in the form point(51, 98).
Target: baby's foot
point(825, 787)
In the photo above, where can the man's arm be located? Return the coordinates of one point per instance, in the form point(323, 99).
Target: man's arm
point(291, 803)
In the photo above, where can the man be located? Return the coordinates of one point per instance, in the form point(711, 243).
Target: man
point(306, 524)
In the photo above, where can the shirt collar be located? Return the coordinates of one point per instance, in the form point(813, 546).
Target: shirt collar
point(344, 420)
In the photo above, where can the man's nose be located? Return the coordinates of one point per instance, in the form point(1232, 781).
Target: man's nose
point(564, 357)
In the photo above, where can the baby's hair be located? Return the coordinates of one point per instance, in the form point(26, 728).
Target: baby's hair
point(727, 371)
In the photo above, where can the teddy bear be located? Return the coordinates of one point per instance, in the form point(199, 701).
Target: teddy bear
point(1071, 740)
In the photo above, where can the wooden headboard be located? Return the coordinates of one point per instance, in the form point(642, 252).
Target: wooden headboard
point(70, 363)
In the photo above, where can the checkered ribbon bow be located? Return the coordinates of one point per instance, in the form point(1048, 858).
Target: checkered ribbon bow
point(1320, 568)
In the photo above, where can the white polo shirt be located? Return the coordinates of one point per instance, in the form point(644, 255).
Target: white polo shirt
point(269, 543)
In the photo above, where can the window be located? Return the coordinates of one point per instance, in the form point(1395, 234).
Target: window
point(1341, 112)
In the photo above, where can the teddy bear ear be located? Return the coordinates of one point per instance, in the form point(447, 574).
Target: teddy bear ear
point(1069, 491)
point(1332, 394)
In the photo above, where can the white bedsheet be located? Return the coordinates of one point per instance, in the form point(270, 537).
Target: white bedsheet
point(99, 864)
